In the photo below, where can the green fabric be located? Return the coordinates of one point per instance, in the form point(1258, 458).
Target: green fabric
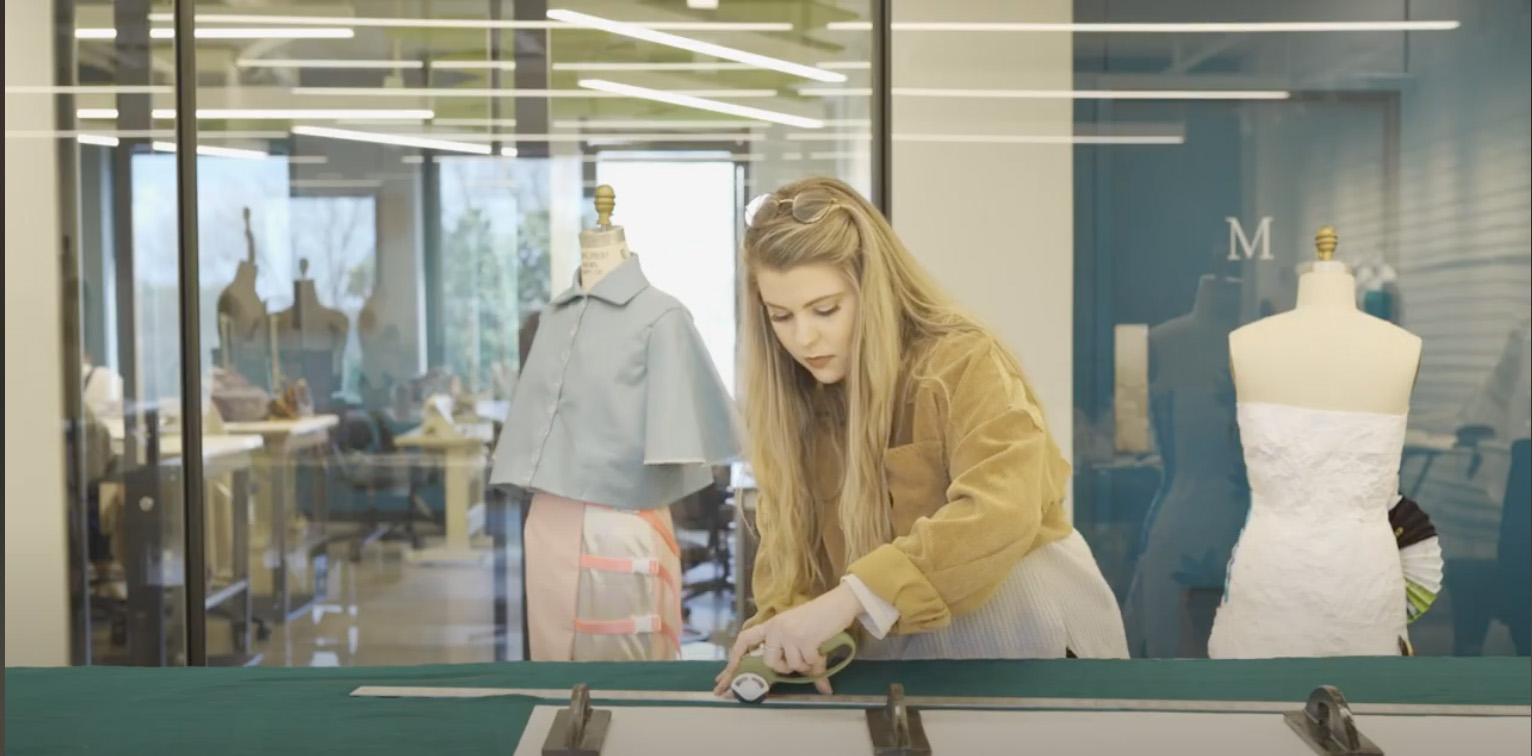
point(270, 712)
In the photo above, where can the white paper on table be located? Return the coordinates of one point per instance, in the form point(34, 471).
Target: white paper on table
point(759, 731)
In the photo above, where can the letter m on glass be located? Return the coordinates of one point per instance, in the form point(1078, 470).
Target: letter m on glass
point(1239, 242)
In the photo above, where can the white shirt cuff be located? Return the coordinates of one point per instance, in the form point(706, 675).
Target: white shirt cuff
point(878, 616)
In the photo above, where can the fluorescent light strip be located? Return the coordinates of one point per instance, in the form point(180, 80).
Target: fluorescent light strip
point(846, 65)
point(472, 137)
point(474, 65)
point(697, 66)
point(680, 124)
point(108, 89)
point(1059, 94)
point(210, 151)
point(810, 136)
point(862, 136)
point(485, 122)
point(367, 64)
point(672, 157)
point(470, 23)
point(1081, 139)
point(507, 152)
point(510, 65)
point(230, 33)
point(676, 98)
point(623, 136)
point(213, 114)
point(98, 140)
point(1155, 28)
point(697, 46)
point(504, 93)
point(397, 140)
point(1038, 139)
point(362, 114)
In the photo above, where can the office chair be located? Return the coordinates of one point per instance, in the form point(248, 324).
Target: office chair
point(373, 467)
point(704, 524)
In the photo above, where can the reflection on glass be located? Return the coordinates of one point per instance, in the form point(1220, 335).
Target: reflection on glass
point(1416, 180)
point(385, 207)
point(1203, 497)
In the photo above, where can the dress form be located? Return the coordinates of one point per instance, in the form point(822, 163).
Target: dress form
point(242, 317)
point(313, 336)
point(385, 359)
point(1323, 403)
point(604, 247)
point(1203, 499)
point(1326, 354)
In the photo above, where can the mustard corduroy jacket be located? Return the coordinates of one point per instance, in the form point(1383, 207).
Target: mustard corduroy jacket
point(975, 481)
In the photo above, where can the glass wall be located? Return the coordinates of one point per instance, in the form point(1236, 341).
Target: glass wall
point(387, 200)
point(390, 199)
point(1188, 154)
point(1408, 144)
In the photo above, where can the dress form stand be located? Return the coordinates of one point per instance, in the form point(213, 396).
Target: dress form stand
point(242, 318)
point(1326, 354)
point(312, 339)
point(604, 247)
point(1323, 396)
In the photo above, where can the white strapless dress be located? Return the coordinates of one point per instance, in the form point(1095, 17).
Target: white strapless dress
point(1316, 569)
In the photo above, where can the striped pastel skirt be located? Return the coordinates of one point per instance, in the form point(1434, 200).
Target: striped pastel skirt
point(602, 584)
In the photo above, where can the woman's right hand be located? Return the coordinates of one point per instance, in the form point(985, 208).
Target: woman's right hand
point(791, 640)
point(775, 658)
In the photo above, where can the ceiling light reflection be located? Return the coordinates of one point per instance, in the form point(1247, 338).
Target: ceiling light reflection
point(694, 45)
point(1058, 94)
point(1156, 28)
point(397, 140)
point(676, 98)
point(229, 33)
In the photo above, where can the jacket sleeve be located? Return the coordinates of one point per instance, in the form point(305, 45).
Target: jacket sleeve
point(689, 417)
point(773, 594)
point(1004, 472)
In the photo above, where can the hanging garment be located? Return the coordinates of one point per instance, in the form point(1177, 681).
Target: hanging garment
point(1317, 570)
point(619, 403)
point(602, 584)
point(1055, 604)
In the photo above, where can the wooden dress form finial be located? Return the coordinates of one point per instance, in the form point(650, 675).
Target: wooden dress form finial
point(1324, 243)
point(606, 201)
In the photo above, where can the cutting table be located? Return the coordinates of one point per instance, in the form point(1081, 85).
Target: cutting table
point(143, 712)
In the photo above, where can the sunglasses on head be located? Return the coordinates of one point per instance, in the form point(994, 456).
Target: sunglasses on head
point(806, 207)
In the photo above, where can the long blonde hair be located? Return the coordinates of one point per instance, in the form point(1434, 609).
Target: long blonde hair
point(898, 304)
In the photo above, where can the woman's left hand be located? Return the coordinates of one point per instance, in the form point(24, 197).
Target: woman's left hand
point(792, 639)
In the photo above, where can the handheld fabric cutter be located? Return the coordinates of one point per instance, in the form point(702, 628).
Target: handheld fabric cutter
point(753, 679)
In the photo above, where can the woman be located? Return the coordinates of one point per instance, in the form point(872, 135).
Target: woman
point(907, 479)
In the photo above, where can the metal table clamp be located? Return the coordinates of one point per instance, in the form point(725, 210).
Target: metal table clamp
point(1326, 724)
point(896, 729)
point(578, 730)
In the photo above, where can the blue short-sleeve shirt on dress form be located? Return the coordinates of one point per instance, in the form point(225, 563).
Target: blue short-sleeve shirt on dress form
point(619, 403)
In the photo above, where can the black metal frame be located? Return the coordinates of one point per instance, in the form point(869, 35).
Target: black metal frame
point(191, 335)
point(882, 106)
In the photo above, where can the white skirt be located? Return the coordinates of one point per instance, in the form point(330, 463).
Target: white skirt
point(1055, 602)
